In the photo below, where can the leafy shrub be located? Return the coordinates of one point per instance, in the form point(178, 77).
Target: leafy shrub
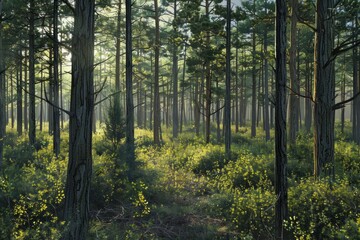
point(322, 210)
point(252, 213)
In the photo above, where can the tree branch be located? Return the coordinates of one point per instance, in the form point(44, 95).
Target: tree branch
point(342, 104)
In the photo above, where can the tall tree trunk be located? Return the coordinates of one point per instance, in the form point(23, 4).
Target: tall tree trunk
point(208, 80)
point(237, 119)
point(294, 102)
point(19, 99)
point(182, 111)
point(117, 106)
point(227, 110)
point(324, 89)
point(157, 118)
point(12, 102)
point(197, 108)
point(130, 140)
point(2, 92)
point(308, 88)
point(356, 89)
point(56, 112)
point(32, 126)
point(80, 127)
point(253, 101)
point(281, 207)
point(175, 78)
point(26, 113)
point(50, 94)
point(266, 88)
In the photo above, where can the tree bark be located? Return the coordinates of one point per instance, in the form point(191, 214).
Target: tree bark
point(56, 111)
point(324, 92)
point(2, 92)
point(356, 82)
point(266, 87)
point(227, 113)
point(130, 140)
point(157, 118)
point(253, 101)
point(19, 99)
point(80, 126)
point(294, 102)
point(308, 91)
point(208, 80)
point(32, 126)
point(175, 78)
point(281, 207)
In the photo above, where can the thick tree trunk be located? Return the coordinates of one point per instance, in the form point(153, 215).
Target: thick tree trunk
point(32, 126)
point(280, 121)
point(80, 127)
point(294, 102)
point(157, 118)
point(324, 89)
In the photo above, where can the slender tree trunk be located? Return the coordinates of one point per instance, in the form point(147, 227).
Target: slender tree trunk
point(356, 83)
point(79, 171)
point(266, 89)
point(308, 107)
point(208, 80)
point(32, 126)
point(324, 92)
point(237, 119)
point(2, 93)
point(227, 110)
point(56, 112)
point(50, 94)
point(130, 140)
point(175, 78)
point(41, 101)
point(197, 108)
point(281, 207)
point(182, 111)
point(294, 103)
point(117, 104)
point(157, 118)
point(19, 99)
point(26, 113)
point(12, 102)
point(253, 103)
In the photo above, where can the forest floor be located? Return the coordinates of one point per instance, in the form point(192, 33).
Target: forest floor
point(182, 189)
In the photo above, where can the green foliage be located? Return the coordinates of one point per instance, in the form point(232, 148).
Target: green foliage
point(114, 123)
point(322, 210)
point(32, 192)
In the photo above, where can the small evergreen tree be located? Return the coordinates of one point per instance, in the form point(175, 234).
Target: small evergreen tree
point(114, 123)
